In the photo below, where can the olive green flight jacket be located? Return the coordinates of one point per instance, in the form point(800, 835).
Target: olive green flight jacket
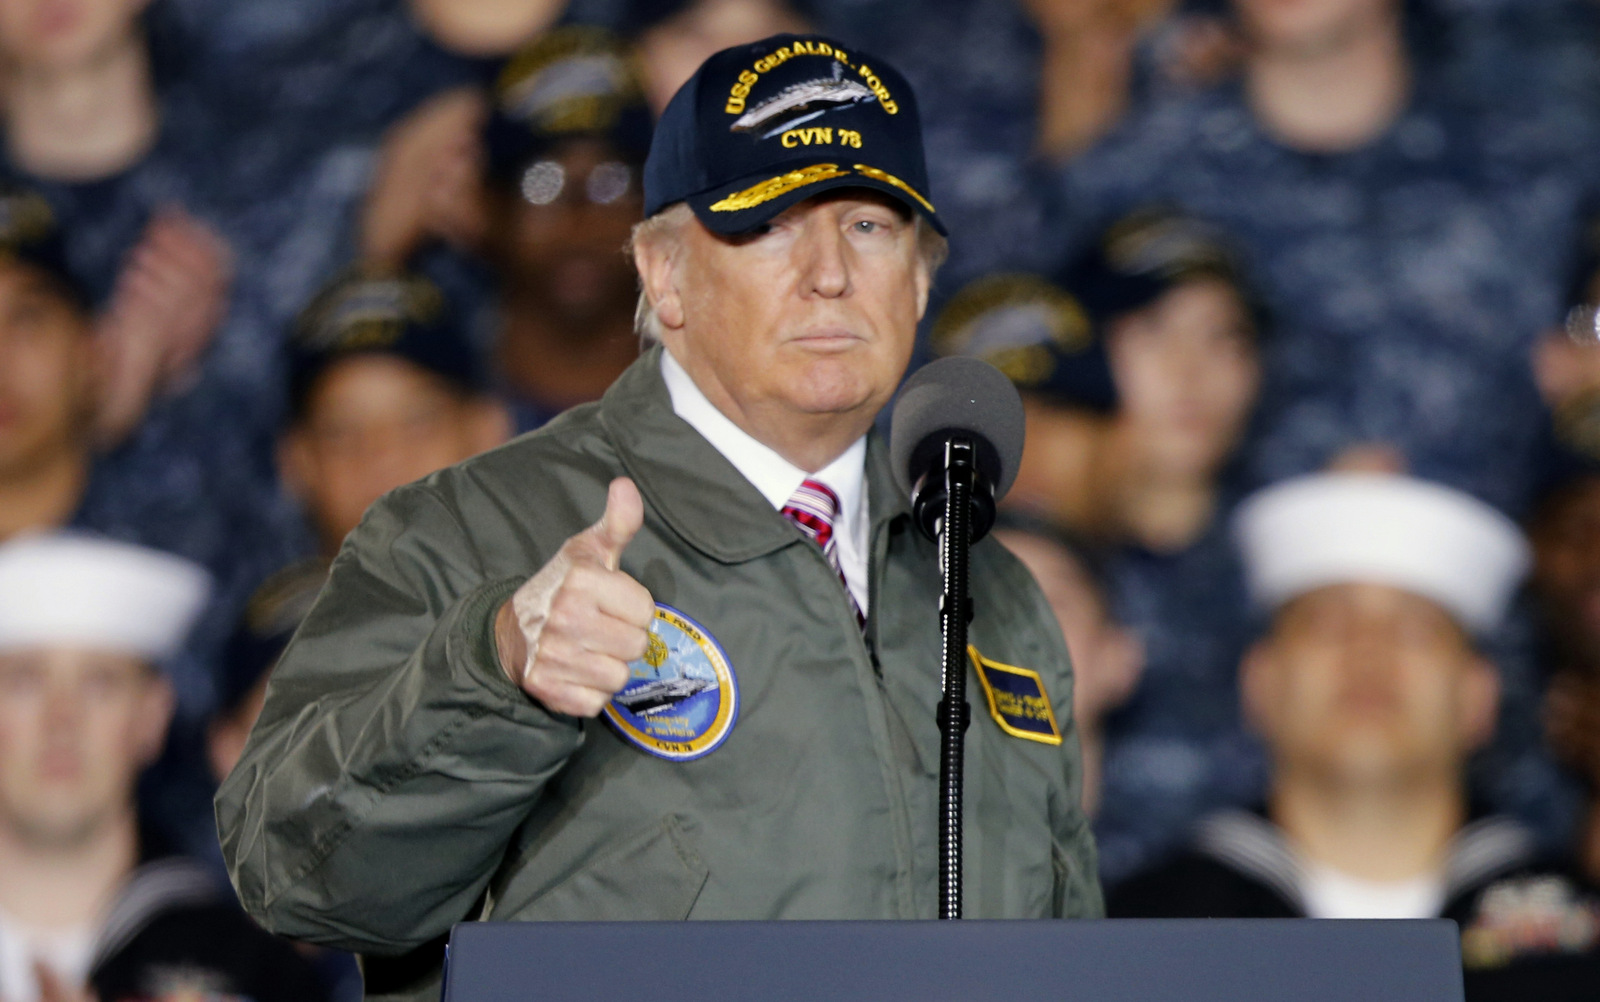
point(398, 783)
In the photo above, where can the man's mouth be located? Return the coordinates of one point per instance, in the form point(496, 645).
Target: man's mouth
point(828, 339)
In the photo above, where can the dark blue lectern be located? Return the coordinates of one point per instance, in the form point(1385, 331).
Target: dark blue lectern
point(1295, 960)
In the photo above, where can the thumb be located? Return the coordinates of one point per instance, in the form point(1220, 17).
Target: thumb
point(623, 516)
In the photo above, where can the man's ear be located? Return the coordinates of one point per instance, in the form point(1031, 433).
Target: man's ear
point(94, 358)
point(656, 261)
point(155, 716)
point(491, 424)
point(924, 282)
point(295, 466)
point(1480, 703)
point(1259, 686)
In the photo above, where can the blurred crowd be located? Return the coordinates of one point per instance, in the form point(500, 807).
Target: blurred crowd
point(1303, 297)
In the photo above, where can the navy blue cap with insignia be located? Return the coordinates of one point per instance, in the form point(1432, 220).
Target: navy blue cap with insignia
point(404, 315)
point(1049, 336)
point(763, 126)
point(29, 234)
point(573, 82)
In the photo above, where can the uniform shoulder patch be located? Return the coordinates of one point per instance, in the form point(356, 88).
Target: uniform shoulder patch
point(682, 698)
point(1017, 700)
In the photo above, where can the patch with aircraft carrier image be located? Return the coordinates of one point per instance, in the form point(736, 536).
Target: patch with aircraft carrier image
point(682, 698)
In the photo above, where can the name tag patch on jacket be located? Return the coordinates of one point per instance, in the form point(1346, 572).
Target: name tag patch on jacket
point(682, 699)
point(1017, 700)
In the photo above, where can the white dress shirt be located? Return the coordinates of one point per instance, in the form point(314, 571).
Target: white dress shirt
point(776, 478)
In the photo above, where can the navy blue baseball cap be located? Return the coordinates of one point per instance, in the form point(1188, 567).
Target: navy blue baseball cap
point(763, 126)
point(403, 315)
point(573, 82)
point(1049, 336)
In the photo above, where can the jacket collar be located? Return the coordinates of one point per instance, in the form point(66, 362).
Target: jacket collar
point(693, 488)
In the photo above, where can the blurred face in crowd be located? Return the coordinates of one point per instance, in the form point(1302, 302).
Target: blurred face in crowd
point(485, 27)
point(670, 52)
point(1311, 27)
point(63, 34)
point(1106, 659)
point(371, 423)
point(46, 360)
point(76, 728)
point(1566, 571)
point(1364, 684)
point(815, 314)
point(1187, 372)
point(558, 237)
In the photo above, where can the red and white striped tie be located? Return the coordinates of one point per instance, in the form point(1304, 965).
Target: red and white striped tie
point(813, 507)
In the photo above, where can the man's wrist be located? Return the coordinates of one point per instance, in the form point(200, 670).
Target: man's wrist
point(511, 647)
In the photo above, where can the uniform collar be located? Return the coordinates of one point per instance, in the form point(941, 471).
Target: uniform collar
point(694, 488)
point(775, 477)
point(1250, 843)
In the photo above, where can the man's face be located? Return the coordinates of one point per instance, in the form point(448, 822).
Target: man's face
point(76, 728)
point(1187, 373)
point(670, 52)
point(559, 239)
point(63, 34)
point(814, 315)
point(1566, 571)
point(1310, 27)
point(46, 359)
point(371, 424)
point(1368, 684)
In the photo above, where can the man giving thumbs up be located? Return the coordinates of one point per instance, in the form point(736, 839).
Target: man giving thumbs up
point(676, 655)
point(567, 635)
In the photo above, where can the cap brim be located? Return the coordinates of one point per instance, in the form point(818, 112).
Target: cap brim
point(744, 204)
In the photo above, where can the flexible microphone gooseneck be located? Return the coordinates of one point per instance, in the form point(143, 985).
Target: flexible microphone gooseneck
point(955, 441)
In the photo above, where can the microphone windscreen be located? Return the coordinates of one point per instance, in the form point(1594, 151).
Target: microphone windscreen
point(962, 394)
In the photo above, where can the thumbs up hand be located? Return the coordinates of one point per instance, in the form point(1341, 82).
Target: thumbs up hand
point(566, 636)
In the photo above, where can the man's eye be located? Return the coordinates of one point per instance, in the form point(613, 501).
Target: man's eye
point(866, 226)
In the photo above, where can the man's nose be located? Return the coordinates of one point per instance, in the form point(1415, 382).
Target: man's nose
point(825, 260)
point(63, 707)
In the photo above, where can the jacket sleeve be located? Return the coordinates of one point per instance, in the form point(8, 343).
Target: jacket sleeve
point(393, 759)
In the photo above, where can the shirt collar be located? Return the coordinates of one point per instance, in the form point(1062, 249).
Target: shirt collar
point(775, 477)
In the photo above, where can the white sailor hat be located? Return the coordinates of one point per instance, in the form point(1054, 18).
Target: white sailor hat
point(1340, 528)
point(61, 589)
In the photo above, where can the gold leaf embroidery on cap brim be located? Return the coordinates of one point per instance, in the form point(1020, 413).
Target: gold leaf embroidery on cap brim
point(888, 178)
point(771, 188)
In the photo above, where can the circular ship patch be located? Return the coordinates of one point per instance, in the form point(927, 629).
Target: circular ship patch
point(682, 699)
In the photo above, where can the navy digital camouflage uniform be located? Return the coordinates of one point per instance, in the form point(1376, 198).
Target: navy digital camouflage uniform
point(1409, 277)
point(1408, 280)
point(1178, 748)
point(279, 180)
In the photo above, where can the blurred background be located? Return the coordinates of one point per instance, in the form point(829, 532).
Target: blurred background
point(264, 260)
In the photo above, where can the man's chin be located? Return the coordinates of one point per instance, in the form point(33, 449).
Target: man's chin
point(836, 385)
point(62, 831)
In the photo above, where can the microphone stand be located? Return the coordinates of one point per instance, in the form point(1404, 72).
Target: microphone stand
point(954, 528)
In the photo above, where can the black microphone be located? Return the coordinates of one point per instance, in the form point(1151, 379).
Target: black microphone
point(956, 412)
point(955, 439)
